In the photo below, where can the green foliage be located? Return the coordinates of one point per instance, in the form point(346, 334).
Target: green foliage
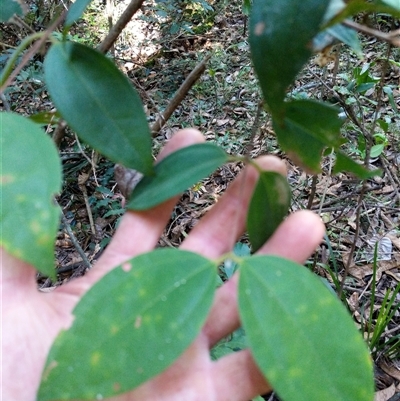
point(99, 103)
point(277, 57)
point(391, 7)
point(343, 34)
point(190, 16)
point(389, 307)
point(387, 311)
point(283, 303)
point(303, 136)
point(268, 206)
point(75, 12)
point(130, 326)
point(233, 343)
point(9, 8)
point(175, 173)
point(30, 177)
point(230, 266)
point(144, 314)
point(294, 326)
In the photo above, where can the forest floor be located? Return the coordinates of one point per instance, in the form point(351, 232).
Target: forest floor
point(157, 54)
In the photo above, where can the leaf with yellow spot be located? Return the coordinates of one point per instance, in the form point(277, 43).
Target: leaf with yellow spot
point(30, 177)
point(129, 342)
point(281, 34)
point(301, 336)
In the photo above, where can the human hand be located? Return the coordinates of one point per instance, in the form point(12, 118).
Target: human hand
point(32, 320)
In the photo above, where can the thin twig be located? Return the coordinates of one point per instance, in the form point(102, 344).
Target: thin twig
point(391, 37)
point(313, 192)
point(126, 16)
point(391, 178)
point(33, 50)
point(180, 95)
point(89, 211)
point(22, 24)
point(326, 186)
point(74, 241)
point(82, 151)
point(254, 129)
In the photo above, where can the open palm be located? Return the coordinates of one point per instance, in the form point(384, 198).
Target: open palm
point(32, 320)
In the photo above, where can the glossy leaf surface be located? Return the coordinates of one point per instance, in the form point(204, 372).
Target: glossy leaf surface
point(301, 336)
point(30, 177)
point(99, 103)
point(281, 33)
point(268, 206)
point(175, 173)
point(307, 129)
point(130, 326)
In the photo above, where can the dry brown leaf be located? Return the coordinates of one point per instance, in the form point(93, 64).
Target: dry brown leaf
point(396, 276)
point(82, 178)
point(395, 240)
point(353, 301)
point(388, 189)
point(385, 394)
point(390, 369)
point(351, 221)
point(220, 123)
point(64, 243)
point(366, 270)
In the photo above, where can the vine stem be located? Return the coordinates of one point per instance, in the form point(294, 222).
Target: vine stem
point(180, 95)
point(13, 59)
point(74, 240)
point(115, 31)
point(391, 37)
point(8, 75)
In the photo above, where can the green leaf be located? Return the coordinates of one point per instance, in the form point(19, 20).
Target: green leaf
point(391, 7)
point(301, 336)
point(30, 177)
point(9, 8)
point(176, 173)
point(268, 206)
point(45, 117)
point(281, 33)
point(130, 326)
point(347, 36)
point(307, 129)
point(388, 90)
point(392, 3)
point(233, 343)
point(99, 103)
point(334, 7)
point(377, 150)
point(345, 163)
point(246, 7)
point(75, 11)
